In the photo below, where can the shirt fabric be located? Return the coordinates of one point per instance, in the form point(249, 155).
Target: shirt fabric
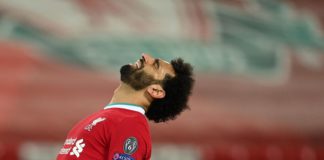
point(118, 132)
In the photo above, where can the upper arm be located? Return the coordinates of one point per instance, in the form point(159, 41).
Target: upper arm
point(131, 140)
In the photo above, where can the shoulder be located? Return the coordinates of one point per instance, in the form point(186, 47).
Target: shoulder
point(121, 117)
point(134, 120)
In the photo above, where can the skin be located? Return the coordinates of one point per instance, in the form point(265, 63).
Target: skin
point(158, 69)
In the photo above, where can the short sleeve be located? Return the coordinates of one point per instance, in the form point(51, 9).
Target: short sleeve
point(130, 140)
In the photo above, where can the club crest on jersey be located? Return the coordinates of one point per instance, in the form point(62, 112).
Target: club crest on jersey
point(130, 145)
point(118, 156)
point(94, 123)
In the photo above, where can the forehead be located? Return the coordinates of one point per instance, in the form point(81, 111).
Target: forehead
point(166, 67)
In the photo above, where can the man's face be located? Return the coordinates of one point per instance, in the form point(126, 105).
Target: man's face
point(145, 71)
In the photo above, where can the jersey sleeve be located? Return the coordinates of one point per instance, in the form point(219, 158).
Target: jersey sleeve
point(129, 141)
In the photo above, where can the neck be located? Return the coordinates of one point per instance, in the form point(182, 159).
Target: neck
point(126, 94)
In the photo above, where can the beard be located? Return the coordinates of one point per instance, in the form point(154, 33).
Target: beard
point(135, 77)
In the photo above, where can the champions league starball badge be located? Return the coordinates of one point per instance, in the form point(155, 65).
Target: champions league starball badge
point(130, 145)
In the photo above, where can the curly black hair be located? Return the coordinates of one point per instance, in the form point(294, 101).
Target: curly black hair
point(178, 88)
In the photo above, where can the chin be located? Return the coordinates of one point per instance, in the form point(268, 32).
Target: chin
point(126, 69)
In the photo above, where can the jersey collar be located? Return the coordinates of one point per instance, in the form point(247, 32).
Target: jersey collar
point(127, 106)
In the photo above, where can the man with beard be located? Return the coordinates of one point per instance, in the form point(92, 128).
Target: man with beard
point(150, 87)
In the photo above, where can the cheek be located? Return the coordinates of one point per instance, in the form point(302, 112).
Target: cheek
point(161, 74)
point(158, 75)
point(151, 71)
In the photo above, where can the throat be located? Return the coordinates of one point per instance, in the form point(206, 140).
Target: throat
point(125, 94)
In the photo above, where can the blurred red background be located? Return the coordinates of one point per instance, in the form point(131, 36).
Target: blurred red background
point(231, 117)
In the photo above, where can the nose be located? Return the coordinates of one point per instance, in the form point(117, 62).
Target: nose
point(148, 59)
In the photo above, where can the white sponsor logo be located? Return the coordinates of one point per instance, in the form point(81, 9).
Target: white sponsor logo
point(64, 150)
point(78, 148)
point(94, 123)
point(69, 141)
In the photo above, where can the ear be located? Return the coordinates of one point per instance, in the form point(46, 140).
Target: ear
point(156, 91)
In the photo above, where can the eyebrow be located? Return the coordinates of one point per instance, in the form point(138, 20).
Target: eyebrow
point(157, 61)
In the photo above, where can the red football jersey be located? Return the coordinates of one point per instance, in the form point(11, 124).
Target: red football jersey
point(118, 132)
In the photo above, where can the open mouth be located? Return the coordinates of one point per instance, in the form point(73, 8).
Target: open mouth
point(139, 63)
